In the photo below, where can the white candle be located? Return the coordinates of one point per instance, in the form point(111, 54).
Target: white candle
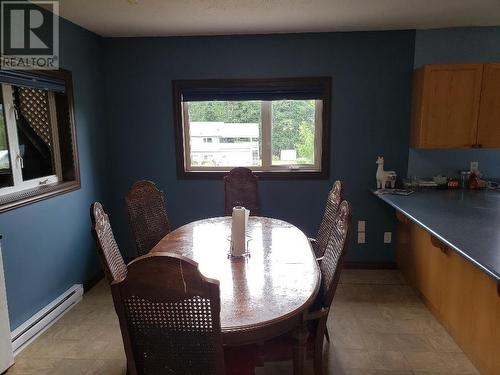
point(238, 230)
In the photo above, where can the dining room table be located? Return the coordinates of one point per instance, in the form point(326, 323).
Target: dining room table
point(264, 294)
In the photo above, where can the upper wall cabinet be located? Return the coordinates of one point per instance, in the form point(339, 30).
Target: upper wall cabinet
point(456, 106)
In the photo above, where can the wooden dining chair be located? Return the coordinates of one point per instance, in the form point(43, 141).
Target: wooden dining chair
point(317, 316)
point(169, 316)
point(111, 259)
point(241, 189)
point(147, 215)
point(325, 228)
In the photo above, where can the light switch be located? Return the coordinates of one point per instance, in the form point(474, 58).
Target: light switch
point(361, 237)
point(474, 166)
point(387, 237)
point(361, 226)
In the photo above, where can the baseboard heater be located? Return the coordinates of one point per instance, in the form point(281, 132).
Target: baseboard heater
point(23, 335)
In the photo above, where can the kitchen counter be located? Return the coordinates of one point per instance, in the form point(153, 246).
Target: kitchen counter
point(466, 221)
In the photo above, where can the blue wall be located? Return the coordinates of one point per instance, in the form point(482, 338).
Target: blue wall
point(371, 74)
point(47, 245)
point(449, 46)
point(457, 45)
point(427, 163)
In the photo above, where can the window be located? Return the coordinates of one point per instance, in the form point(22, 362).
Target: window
point(37, 143)
point(277, 127)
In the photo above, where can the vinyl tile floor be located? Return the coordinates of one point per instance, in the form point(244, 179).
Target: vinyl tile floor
point(377, 323)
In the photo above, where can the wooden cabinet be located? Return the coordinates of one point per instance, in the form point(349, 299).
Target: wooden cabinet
point(464, 299)
point(488, 132)
point(456, 106)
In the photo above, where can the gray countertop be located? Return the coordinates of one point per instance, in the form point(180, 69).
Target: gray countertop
point(467, 221)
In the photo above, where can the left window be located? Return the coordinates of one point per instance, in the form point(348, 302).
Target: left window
point(38, 155)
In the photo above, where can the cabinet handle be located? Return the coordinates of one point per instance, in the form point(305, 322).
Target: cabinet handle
point(441, 246)
point(402, 218)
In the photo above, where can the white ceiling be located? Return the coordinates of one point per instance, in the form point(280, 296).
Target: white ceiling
point(114, 18)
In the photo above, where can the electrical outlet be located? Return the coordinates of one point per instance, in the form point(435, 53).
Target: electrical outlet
point(387, 237)
point(474, 166)
point(361, 226)
point(361, 237)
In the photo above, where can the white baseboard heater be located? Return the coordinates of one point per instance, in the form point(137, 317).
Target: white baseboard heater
point(6, 356)
point(23, 335)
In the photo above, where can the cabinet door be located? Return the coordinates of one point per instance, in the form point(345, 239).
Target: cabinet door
point(450, 106)
point(488, 134)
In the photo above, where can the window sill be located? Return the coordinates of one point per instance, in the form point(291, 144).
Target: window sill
point(28, 196)
point(263, 175)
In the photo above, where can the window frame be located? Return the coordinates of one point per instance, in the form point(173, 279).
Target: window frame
point(34, 190)
point(322, 143)
point(16, 162)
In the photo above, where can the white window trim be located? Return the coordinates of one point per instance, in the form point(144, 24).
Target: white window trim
point(15, 154)
point(56, 150)
point(266, 144)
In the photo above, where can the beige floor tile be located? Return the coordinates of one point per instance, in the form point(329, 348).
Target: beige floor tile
point(399, 310)
point(388, 360)
point(283, 368)
point(352, 339)
point(364, 310)
point(371, 277)
point(349, 359)
point(458, 363)
point(64, 331)
point(413, 342)
point(346, 323)
point(90, 367)
point(43, 348)
point(352, 371)
point(426, 361)
point(396, 325)
point(111, 367)
point(33, 366)
point(443, 343)
point(397, 342)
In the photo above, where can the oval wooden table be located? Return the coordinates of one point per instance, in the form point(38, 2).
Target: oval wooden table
point(263, 295)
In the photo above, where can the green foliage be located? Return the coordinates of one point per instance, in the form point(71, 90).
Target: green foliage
point(3, 140)
point(293, 122)
point(3, 134)
point(305, 148)
point(288, 115)
point(231, 112)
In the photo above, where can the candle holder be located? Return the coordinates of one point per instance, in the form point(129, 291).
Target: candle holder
point(246, 254)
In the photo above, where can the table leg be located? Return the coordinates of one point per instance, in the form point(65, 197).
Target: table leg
point(299, 349)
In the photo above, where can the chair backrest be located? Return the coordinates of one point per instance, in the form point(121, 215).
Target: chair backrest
point(240, 189)
point(325, 228)
point(331, 265)
point(169, 315)
point(111, 258)
point(147, 215)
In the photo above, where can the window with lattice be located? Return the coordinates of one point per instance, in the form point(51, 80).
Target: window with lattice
point(37, 140)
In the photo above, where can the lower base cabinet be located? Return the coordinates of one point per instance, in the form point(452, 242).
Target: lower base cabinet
point(463, 298)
